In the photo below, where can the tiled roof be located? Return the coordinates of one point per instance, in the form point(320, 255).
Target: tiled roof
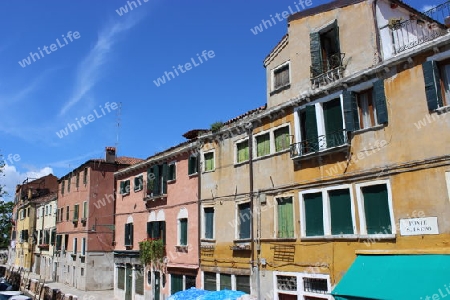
point(249, 113)
point(123, 160)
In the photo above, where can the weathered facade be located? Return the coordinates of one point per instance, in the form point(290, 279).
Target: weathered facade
point(156, 204)
point(86, 223)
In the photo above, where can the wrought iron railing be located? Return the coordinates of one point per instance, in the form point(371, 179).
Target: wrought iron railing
point(321, 143)
point(332, 70)
point(418, 30)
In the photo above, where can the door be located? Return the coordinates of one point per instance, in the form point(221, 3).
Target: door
point(128, 282)
point(157, 288)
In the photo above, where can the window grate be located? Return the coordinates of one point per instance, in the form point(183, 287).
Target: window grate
point(315, 285)
point(287, 283)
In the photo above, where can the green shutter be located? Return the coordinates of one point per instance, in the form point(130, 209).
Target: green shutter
point(244, 221)
point(341, 212)
point(176, 283)
point(156, 181)
point(338, 43)
point(263, 145)
point(131, 233)
point(122, 187)
point(332, 113)
point(282, 140)
point(313, 214)
point(126, 236)
point(242, 149)
point(209, 223)
point(351, 111)
point(183, 231)
point(311, 142)
point(150, 229)
point(165, 174)
point(150, 181)
point(316, 54)
point(209, 161)
point(209, 281)
point(139, 281)
point(162, 228)
point(156, 232)
point(121, 278)
point(192, 165)
point(225, 281)
point(379, 98)
point(285, 218)
point(376, 208)
point(243, 283)
point(432, 85)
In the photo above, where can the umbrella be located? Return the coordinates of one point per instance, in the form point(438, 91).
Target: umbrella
point(190, 294)
point(223, 295)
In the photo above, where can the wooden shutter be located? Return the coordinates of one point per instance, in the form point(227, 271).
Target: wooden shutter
point(127, 235)
point(316, 54)
point(131, 233)
point(243, 283)
point(156, 181)
point(122, 184)
point(162, 228)
point(176, 283)
point(313, 214)
point(165, 174)
point(311, 138)
point(209, 281)
point(139, 281)
point(341, 212)
point(351, 111)
point(156, 232)
point(192, 165)
point(121, 278)
point(376, 209)
point(183, 231)
point(379, 98)
point(332, 113)
point(432, 85)
point(225, 281)
point(150, 229)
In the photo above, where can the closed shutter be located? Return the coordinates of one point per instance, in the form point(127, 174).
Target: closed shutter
point(122, 189)
point(245, 218)
point(209, 281)
point(243, 283)
point(285, 218)
point(242, 151)
point(58, 242)
point(351, 111)
point(162, 228)
point(183, 231)
point(282, 140)
point(176, 283)
point(156, 181)
point(379, 98)
point(121, 278)
point(432, 85)
point(311, 139)
point(376, 209)
point(316, 54)
point(332, 113)
point(139, 281)
point(127, 235)
point(209, 223)
point(150, 229)
point(225, 281)
point(131, 233)
point(192, 165)
point(341, 212)
point(156, 232)
point(263, 145)
point(165, 175)
point(150, 180)
point(313, 214)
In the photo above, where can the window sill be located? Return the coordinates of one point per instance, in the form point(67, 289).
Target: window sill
point(171, 181)
point(242, 241)
point(280, 89)
point(137, 190)
point(181, 248)
point(193, 174)
point(373, 128)
point(237, 164)
point(443, 110)
point(204, 240)
point(209, 171)
point(372, 237)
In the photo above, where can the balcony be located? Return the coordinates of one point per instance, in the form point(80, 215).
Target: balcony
point(323, 144)
point(153, 196)
point(44, 246)
point(419, 30)
point(332, 69)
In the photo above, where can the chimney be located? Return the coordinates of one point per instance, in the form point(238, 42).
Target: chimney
point(110, 154)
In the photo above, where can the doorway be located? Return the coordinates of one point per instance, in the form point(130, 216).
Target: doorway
point(157, 288)
point(128, 282)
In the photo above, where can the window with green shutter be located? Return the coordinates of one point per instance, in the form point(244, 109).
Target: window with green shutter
point(209, 281)
point(325, 50)
point(63, 184)
point(172, 172)
point(77, 181)
point(192, 165)
point(282, 138)
point(85, 175)
point(183, 232)
point(121, 278)
point(125, 187)
point(432, 79)
point(244, 220)
point(332, 113)
point(128, 234)
point(243, 283)
point(313, 204)
point(376, 209)
point(176, 283)
point(69, 183)
point(285, 217)
point(209, 161)
point(138, 183)
point(165, 175)
point(379, 98)
point(340, 212)
point(76, 212)
point(242, 151)
point(309, 133)
point(351, 112)
point(225, 281)
point(209, 222)
point(263, 144)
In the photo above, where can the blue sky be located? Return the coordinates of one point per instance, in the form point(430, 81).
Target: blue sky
point(117, 59)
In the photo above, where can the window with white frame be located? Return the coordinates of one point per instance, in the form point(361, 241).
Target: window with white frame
point(328, 212)
point(242, 153)
point(138, 183)
point(290, 285)
point(281, 76)
point(262, 143)
point(244, 219)
point(83, 246)
point(182, 227)
point(285, 217)
point(375, 208)
point(208, 161)
point(220, 281)
point(282, 138)
point(129, 232)
point(208, 223)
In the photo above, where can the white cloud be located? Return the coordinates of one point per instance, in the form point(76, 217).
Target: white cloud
point(427, 7)
point(90, 69)
point(11, 177)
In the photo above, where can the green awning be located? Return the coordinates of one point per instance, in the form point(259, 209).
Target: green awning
point(395, 277)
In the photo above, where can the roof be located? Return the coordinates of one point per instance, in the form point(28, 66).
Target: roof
point(249, 113)
point(121, 160)
point(322, 8)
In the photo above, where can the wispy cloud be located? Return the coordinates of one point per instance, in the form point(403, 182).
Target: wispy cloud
point(427, 7)
point(70, 163)
point(89, 71)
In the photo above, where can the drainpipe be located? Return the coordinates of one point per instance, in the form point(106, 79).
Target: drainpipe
point(199, 193)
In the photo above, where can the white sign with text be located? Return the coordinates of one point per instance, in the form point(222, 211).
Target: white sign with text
point(419, 226)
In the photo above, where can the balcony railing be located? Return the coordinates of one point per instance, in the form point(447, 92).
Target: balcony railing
point(416, 31)
point(322, 143)
point(332, 70)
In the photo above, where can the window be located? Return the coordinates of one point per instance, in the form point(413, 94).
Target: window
point(157, 230)
point(244, 220)
point(67, 213)
point(157, 180)
point(302, 286)
point(129, 235)
point(46, 210)
point(61, 215)
point(50, 210)
point(83, 246)
point(190, 282)
point(58, 242)
point(281, 76)
point(76, 212)
point(325, 50)
point(176, 283)
point(172, 172)
point(138, 183)
point(375, 206)
point(285, 217)
point(192, 165)
point(282, 138)
point(74, 250)
point(243, 283)
point(208, 222)
point(85, 175)
point(69, 183)
point(63, 184)
point(262, 144)
point(53, 237)
point(121, 278)
point(125, 187)
point(437, 83)
point(139, 280)
point(366, 108)
point(225, 282)
point(209, 281)
point(242, 151)
point(209, 161)
point(183, 231)
point(77, 180)
point(328, 212)
point(85, 210)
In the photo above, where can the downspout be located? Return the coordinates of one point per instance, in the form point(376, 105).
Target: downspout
point(377, 36)
point(199, 197)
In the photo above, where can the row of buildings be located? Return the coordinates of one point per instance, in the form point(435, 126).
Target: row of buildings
point(337, 188)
